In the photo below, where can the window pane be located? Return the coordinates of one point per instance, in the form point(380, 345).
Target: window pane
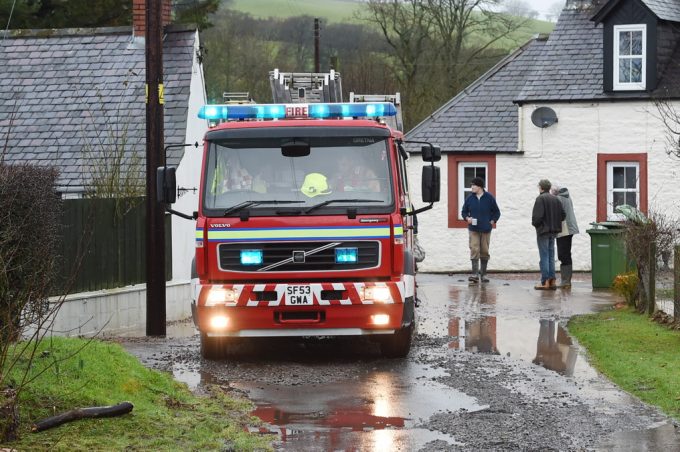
point(636, 43)
point(481, 172)
point(618, 179)
point(469, 174)
point(631, 177)
point(636, 70)
point(624, 70)
point(631, 199)
point(624, 42)
point(619, 198)
point(466, 193)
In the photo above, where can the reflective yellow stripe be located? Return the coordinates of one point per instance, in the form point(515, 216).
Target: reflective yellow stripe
point(299, 233)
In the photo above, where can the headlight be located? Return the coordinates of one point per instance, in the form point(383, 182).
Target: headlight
point(218, 322)
point(376, 293)
point(380, 319)
point(251, 257)
point(218, 296)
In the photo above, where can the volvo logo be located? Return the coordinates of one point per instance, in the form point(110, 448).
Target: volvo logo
point(298, 257)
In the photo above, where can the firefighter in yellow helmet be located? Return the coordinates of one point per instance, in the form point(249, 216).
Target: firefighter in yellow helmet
point(315, 184)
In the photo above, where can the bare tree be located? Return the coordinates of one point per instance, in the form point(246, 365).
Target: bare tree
point(519, 8)
point(554, 11)
point(670, 116)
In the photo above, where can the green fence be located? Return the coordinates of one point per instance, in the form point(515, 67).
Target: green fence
point(104, 244)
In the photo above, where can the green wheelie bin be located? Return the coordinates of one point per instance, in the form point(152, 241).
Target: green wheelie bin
point(607, 253)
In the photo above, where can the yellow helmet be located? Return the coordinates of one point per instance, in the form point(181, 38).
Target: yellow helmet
point(315, 184)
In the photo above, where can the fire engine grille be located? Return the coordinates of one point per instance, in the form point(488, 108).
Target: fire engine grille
point(368, 253)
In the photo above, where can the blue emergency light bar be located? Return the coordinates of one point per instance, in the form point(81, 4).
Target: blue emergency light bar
point(291, 111)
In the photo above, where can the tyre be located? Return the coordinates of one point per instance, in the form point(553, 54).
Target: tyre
point(397, 345)
point(213, 347)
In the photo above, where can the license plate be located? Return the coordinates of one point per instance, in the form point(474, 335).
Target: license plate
point(299, 296)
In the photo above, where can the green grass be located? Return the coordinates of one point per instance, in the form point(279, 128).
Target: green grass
point(637, 354)
point(166, 415)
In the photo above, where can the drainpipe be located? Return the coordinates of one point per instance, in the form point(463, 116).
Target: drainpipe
point(520, 131)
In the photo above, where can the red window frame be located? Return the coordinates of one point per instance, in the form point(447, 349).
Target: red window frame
point(452, 190)
point(602, 160)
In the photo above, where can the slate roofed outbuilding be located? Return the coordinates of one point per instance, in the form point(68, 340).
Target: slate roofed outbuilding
point(67, 94)
point(571, 66)
point(482, 117)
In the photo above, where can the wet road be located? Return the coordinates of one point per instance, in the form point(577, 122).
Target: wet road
point(493, 367)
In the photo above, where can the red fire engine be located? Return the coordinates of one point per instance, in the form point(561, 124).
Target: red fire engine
point(305, 224)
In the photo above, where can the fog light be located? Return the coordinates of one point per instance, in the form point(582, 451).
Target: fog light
point(378, 294)
point(220, 296)
point(380, 319)
point(218, 322)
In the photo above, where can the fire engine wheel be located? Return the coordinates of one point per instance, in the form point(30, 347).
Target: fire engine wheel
point(397, 345)
point(213, 347)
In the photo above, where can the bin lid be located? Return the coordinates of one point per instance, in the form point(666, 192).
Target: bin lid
point(606, 227)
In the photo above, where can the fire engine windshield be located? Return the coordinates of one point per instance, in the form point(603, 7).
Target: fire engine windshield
point(337, 173)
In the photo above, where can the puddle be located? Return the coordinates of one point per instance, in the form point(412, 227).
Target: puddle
point(544, 342)
point(374, 411)
point(665, 437)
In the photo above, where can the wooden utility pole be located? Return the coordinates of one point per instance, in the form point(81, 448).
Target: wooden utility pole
point(676, 284)
point(155, 225)
point(317, 36)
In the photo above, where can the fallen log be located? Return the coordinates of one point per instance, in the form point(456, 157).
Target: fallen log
point(82, 413)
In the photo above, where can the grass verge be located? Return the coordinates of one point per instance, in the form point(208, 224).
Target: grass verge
point(635, 353)
point(166, 415)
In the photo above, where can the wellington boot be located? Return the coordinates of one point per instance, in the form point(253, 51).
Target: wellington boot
point(565, 276)
point(482, 271)
point(475, 271)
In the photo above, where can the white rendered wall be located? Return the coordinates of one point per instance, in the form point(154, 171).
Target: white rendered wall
point(566, 153)
point(188, 176)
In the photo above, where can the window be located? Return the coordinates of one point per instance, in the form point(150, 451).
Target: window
point(624, 178)
point(461, 170)
point(629, 57)
point(466, 172)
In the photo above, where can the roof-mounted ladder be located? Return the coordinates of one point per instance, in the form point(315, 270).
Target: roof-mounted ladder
point(305, 87)
point(396, 121)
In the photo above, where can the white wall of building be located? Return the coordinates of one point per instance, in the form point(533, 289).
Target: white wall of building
point(566, 153)
point(188, 176)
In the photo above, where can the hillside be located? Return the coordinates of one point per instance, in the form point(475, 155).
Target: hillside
point(337, 11)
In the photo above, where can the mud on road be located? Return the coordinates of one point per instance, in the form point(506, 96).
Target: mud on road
point(492, 368)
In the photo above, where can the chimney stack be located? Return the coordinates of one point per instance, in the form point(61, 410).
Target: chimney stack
point(139, 16)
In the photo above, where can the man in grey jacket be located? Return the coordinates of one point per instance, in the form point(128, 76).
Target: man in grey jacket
point(564, 238)
point(546, 217)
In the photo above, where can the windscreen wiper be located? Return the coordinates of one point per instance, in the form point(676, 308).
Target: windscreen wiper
point(245, 204)
point(330, 201)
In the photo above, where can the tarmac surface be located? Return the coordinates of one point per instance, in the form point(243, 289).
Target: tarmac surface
point(492, 368)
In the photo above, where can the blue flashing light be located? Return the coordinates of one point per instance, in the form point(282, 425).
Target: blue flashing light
point(281, 111)
point(346, 255)
point(251, 257)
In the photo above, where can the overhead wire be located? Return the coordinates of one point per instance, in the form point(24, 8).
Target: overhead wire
point(9, 19)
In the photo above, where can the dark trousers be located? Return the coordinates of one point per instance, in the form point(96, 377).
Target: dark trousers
point(564, 249)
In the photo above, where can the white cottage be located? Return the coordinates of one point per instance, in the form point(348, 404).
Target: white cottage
point(578, 108)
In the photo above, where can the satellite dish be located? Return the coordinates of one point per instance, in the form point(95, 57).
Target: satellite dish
point(544, 117)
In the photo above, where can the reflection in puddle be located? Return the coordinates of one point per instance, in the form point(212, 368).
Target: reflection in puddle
point(554, 348)
point(382, 403)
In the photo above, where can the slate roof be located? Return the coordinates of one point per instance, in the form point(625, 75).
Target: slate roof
point(67, 94)
point(570, 68)
point(482, 118)
point(664, 9)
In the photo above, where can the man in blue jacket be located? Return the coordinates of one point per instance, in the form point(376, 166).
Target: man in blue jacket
point(481, 213)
